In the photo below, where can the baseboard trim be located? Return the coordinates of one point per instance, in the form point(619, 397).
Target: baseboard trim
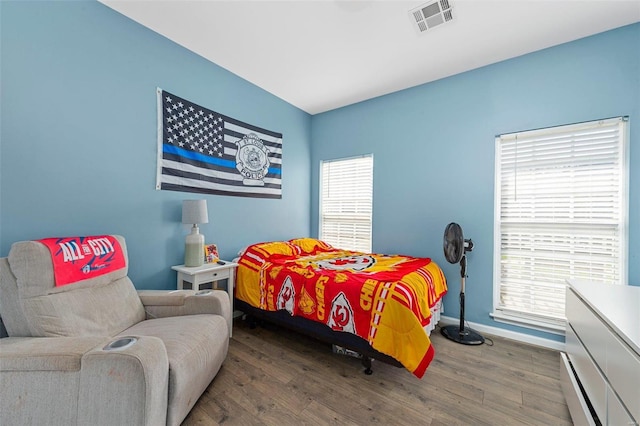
point(513, 335)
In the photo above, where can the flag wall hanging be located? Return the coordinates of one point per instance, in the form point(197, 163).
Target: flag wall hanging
point(202, 151)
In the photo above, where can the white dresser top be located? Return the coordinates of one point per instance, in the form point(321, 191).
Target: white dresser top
point(617, 305)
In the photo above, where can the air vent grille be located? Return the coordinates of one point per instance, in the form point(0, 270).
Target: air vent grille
point(430, 15)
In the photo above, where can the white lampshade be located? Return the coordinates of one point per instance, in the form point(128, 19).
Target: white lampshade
point(194, 212)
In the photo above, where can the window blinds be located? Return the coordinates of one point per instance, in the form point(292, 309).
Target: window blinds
point(346, 202)
point(561, 211)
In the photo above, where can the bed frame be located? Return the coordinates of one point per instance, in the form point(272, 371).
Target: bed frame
point(318, 331)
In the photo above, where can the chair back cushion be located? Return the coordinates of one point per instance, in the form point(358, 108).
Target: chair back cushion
point(100, 306)
point(13, 318)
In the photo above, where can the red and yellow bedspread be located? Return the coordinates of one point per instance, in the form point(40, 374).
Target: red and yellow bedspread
point(385, 299)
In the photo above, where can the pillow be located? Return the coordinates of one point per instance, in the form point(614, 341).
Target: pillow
point(275, 248)
point(311, 245)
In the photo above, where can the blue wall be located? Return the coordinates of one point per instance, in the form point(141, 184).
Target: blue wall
point(433, 148)
point(78, 138)
point(78, 142)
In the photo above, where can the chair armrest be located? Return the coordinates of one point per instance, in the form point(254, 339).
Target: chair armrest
point(39, 378)
point(74, 380)
point(171, 303)
point(125, 385)
point(45, 353)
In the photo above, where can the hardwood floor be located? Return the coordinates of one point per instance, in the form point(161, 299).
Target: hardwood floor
point(273, 376)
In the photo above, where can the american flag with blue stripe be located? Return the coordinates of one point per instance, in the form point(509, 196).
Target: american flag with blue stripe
point(202, 151)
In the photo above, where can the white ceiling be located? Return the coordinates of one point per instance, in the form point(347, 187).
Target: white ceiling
point(321, 55)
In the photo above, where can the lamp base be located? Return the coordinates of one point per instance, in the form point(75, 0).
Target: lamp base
point(466, 337)
point(194, 248)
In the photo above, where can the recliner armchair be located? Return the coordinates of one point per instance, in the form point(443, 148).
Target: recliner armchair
point(98, 352)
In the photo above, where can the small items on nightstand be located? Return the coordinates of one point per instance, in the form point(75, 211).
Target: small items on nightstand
point(211, 253)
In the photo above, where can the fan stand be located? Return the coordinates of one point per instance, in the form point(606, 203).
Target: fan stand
point(460, 334)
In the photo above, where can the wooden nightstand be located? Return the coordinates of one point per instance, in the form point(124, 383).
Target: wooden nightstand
point(208, 273)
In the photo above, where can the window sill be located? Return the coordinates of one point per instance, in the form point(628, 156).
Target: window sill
point(535, 324)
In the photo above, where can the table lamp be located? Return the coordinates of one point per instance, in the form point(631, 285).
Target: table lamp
point(194, 212)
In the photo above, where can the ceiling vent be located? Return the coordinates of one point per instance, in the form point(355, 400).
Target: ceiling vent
point(430, 15)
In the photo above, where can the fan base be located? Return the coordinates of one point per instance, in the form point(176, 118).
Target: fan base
point(467, 337)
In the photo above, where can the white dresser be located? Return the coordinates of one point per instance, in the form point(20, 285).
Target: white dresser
point(602, 354)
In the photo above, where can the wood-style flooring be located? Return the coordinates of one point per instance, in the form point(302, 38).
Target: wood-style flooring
point(273, 376)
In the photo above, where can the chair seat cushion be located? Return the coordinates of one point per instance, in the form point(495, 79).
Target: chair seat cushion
point(196, 347)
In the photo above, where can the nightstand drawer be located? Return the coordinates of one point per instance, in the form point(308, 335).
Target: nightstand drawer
point(213, 276)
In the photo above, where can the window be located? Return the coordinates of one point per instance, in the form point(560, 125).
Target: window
point(346, 188)
point(561, 199)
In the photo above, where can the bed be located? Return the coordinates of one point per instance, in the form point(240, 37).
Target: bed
point(379, 306)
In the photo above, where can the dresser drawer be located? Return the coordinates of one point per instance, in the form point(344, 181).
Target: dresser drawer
point(576, 403)
point(589, 328)
point(616, 412)
point(616, 360)
point(623, 373)
point(594, 384)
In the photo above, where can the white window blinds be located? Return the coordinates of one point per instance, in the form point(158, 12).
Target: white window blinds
point(561, 212)
point(346, 188)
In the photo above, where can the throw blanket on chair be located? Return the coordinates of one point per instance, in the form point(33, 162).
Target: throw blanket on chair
point(80, 258)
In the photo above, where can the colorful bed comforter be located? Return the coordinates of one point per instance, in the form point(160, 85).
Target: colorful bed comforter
point(384, 299)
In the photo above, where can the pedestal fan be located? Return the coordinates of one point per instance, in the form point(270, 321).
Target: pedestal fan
point(455, 249)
